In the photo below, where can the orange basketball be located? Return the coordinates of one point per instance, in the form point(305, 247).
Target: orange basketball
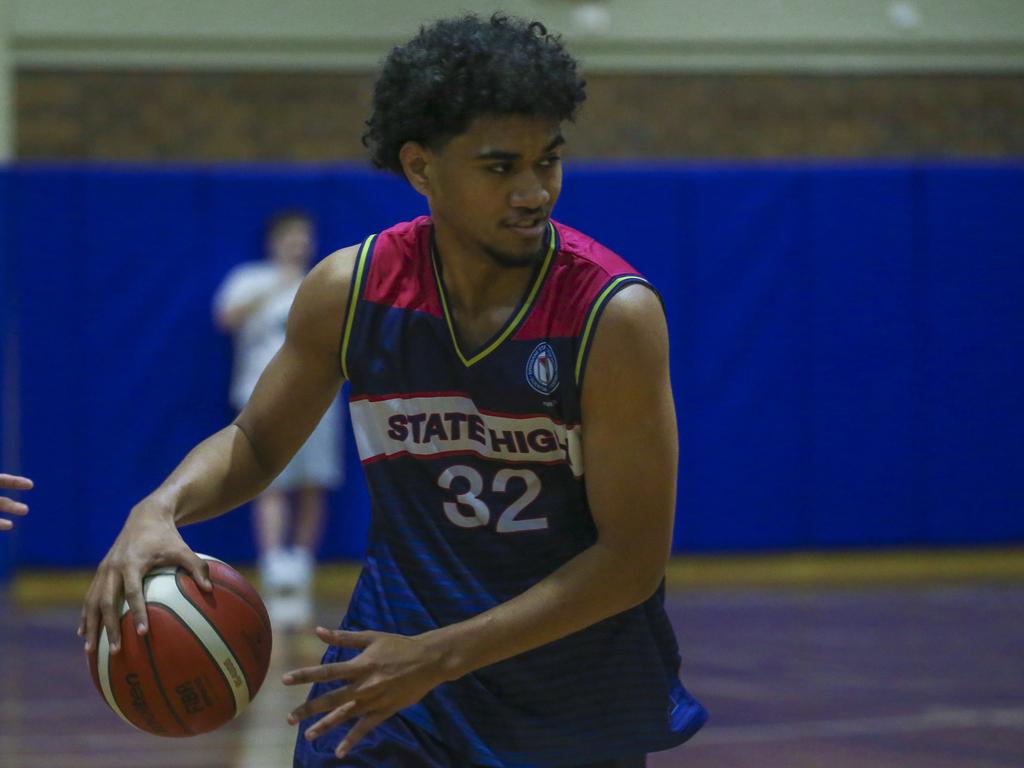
point(202, 661)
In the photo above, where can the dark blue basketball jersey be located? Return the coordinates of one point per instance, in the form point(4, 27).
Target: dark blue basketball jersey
point(475, 468)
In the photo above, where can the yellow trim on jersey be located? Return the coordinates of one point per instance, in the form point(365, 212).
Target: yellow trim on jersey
point(595, 310)
point(512, 324)
point(355, 291)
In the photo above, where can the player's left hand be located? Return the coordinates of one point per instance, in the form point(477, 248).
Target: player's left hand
point(391, 673)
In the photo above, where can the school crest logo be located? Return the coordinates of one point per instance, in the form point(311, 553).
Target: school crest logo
point(542, 369)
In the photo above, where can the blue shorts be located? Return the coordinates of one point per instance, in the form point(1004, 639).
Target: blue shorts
point(395, 743)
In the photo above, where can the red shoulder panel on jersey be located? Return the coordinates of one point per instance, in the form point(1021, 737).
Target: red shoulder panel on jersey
point(583, 267)
point(400, 273)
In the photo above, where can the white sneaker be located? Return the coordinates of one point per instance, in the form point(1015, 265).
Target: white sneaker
point(275, 570)
point(289, 612)
point(301, 566)
point(287, 577)
point(304, 563)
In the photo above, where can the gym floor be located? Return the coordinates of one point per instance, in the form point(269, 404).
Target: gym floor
point(888, 660)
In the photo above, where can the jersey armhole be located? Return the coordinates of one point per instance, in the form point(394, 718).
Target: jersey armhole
point(355, 293)
point(611, 288)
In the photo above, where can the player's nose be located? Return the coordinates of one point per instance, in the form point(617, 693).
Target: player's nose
point(531, 194)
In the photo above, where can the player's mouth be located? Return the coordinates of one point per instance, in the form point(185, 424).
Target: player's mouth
point(532, 227)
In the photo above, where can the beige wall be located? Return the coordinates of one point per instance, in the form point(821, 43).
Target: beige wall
point(318, 116)
point(6, 86)
point(636, 35)
point(207, 79)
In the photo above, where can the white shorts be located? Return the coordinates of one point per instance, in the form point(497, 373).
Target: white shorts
point(319, 462)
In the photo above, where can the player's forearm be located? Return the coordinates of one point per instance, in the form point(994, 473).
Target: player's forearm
point(216, 476)
point(594, 585)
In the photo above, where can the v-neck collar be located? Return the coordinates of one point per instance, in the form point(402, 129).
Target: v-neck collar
point(514, 320)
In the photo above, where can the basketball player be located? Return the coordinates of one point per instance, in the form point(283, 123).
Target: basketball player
point(511, 400)
point(10, 506)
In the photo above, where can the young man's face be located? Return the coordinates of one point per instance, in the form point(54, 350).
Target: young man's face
point(494, 186)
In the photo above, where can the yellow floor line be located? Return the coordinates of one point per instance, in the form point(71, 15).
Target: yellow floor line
point(848, 568)
point(794, 569)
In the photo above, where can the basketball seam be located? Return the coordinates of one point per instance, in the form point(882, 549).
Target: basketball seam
point(232, 590)
point(206, 650)
point(226, 586)
point(234, 656)
point(159, 682)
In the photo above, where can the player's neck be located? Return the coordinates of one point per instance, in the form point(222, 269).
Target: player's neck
point(473, 281)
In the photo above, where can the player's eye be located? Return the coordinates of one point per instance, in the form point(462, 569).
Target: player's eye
point(551, 160)
point(499, 168)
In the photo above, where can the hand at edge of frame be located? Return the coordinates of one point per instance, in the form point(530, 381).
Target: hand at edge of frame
point(10, 506)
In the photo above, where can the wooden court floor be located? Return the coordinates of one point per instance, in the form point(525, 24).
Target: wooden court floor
point(914, 660)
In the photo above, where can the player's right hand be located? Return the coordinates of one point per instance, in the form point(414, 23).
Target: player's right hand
point(149, 539)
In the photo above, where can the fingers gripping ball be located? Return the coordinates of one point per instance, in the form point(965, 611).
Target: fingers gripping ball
point(202, 660)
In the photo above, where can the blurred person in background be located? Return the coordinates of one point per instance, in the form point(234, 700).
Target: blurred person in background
point(252, 304)
point(10, 506)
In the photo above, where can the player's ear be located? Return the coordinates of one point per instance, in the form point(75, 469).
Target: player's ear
point(415, 160)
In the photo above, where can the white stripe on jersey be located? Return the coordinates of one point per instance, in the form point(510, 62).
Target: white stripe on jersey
point(433, 425)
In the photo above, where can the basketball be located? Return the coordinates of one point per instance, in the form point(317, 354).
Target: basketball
point(202, 660)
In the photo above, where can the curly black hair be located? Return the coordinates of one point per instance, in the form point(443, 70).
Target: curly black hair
point(456, 70)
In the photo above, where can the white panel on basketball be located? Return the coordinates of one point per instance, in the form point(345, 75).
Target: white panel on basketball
point(103, 659)
point(103, 672)
point(165, 569)
point(163, 589)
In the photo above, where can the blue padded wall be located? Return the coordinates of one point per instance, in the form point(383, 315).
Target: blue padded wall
point(7, 298)
point(845, 340)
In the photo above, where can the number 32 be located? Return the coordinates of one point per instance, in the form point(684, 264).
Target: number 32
point(509, 521)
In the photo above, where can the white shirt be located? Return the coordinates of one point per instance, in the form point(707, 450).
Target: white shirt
point(262, 333)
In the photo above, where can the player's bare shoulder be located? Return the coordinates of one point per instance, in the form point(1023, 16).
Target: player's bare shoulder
point(318, 313)
point(333, 275)
point(632, 326)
